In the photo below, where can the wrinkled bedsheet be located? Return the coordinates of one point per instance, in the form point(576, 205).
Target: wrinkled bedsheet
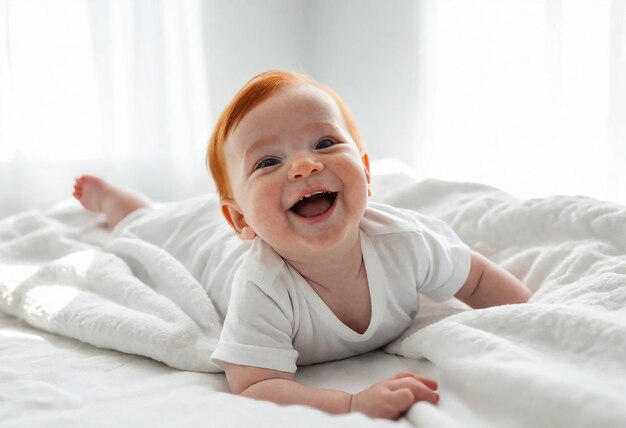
point(558, 361)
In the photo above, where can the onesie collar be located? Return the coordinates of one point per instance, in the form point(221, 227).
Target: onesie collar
point(375, 281)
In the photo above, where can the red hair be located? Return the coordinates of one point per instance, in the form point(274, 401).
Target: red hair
point(258, 89)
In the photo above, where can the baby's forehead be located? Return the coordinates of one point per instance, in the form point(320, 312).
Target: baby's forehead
point(295, 109)
point(292, 101)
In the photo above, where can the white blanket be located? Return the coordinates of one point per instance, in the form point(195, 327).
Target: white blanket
point(123, 294)
point(557, 361)
point(561, 359)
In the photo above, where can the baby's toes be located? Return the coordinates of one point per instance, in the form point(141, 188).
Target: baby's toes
point(78, 187)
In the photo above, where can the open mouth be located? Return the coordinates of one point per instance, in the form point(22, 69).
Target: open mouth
point(314, 204)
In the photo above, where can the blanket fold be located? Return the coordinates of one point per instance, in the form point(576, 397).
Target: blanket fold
point(561, 356)
point(128, 295)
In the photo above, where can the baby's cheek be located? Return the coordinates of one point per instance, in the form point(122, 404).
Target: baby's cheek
point(265, 220)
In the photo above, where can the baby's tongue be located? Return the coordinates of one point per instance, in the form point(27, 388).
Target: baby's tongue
point(314, 205)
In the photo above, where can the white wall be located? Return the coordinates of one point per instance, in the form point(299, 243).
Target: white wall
point(361, 49)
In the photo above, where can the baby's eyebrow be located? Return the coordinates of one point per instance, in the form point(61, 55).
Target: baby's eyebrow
point(325, 126)
point(258, 145)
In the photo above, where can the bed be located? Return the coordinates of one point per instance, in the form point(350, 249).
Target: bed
point(102, 331)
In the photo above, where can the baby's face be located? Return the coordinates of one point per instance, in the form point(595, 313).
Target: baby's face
point(297, 177)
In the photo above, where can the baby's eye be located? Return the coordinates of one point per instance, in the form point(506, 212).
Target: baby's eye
point(267, 163)
point(325, 143)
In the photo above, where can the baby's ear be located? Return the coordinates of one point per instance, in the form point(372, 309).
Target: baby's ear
point(235, 218)
point(366, 166)
point(365, 158)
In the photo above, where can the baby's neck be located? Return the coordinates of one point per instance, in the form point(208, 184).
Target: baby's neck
point(335, 271)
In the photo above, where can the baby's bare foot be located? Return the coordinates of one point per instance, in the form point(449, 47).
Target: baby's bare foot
point(115, 203)
point(89, 190)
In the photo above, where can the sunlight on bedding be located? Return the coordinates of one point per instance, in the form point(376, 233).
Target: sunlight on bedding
point(78, 263)
point(21, 335)
point(50, 291)
point(46, 302)
point(14, 276)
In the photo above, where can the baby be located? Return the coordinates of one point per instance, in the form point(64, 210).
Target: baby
point(323, 274)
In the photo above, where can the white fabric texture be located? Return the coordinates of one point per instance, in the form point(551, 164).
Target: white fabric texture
point(559, 360)
point(127, 295)
point(556, 361)
point(276, 320)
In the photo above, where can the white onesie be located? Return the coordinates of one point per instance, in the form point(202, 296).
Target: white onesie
point(275, 320)
point(272, 317)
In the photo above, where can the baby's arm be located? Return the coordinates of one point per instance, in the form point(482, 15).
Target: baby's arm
point(386, 399)
point(489, 285)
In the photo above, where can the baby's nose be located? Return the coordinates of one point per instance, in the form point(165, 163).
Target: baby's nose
point(304, 167)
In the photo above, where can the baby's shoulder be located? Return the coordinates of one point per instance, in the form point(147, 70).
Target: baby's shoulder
point(262, 267)
point(382, 219)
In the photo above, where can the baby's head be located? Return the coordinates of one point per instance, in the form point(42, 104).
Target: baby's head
point(286, 157)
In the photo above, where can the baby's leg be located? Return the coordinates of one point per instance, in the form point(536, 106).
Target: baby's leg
point(100, 196)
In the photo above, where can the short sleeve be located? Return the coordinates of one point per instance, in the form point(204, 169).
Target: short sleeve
point(257, 330)
point(443, 260)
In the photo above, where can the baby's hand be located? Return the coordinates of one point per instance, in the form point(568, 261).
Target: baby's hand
point(390, 398)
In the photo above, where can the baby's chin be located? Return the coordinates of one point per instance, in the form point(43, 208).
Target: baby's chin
point(317, 246)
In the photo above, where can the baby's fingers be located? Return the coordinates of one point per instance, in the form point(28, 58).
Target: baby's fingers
point(431, 383)
point(402, 400)
point(419, 391)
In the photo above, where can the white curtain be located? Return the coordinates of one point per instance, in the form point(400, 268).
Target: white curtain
point(526, 95)
point(113, 88)
point(529, 95)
